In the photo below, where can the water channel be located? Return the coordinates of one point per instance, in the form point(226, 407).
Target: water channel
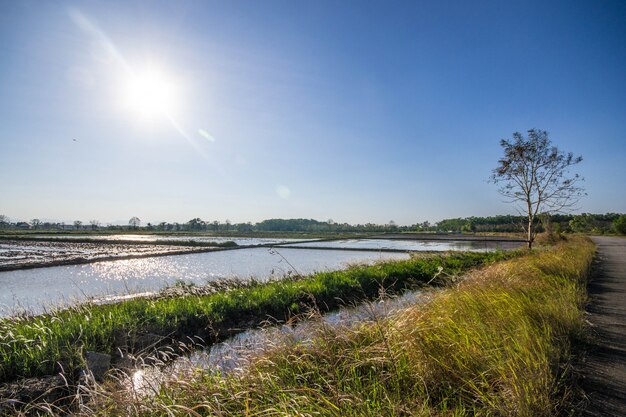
point(236, 353)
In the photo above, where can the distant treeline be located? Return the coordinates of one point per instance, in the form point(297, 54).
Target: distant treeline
point(585, 223)
point(579, 223)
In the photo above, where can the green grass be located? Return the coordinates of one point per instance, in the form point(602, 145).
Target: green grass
point(42, 345)
point(496, 344)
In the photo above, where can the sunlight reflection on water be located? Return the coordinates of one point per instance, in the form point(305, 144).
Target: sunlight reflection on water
point(413, 245)
point(241, 241)
point(35, 289)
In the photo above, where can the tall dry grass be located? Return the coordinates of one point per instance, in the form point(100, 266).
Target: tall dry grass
point(495, 344)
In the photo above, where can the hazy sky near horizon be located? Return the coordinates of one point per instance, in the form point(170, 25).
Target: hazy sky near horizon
point(358, 111)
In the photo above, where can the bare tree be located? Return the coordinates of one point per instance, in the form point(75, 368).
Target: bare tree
point(95, 224)
point(78, 224)
point(534, 175)
point(36, 223)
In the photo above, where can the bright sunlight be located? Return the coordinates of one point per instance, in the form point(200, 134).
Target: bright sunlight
point(150, 94)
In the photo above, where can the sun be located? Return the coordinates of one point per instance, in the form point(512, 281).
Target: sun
point(149, 94)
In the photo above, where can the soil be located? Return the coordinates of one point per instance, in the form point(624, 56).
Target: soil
point(604, 366)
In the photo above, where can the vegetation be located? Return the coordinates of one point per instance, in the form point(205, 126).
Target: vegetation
point(41, 345)
point(308, 228)
point(578, 223)
point(535, 175)
point(199, 225)
point(498, 343)
point(620, 224)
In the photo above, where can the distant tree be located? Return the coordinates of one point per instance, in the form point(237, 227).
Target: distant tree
point(468, 227)
point(78, 224)
point(216, 225)
point(196, 224)
point(36, 223)
point(227, 224)
point(134, 223)
point(4, 221)
point(534, 175)
point(582, 223)
point(451, 225)
point(95, 224)
point(620, 224)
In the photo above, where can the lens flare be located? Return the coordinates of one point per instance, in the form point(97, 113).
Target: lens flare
point(283, 192)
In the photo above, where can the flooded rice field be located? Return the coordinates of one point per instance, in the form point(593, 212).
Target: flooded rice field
point(476, 245)
point(21, 253)
point(35, 290)
point(240, 241)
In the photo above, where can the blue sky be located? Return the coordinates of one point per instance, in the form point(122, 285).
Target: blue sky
point(356, 111)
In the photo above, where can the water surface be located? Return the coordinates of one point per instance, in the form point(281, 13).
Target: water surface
point(34, 290)
point(241, 241)
point(236, 352)
point(412, 245)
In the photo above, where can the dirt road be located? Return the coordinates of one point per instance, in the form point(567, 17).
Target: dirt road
point(604, 369)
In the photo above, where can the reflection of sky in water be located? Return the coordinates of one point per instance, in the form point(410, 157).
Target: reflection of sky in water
point(241, 241)
point(33, 288)
point(236, 352)
point(416, 245)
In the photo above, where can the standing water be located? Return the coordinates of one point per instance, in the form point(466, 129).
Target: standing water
point(35, 290)
point(237, 352)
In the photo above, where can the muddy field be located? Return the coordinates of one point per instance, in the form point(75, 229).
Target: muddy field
point(15, 254)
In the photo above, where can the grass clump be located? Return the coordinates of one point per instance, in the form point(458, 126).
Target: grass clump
point(496, 344)
point(49, 343)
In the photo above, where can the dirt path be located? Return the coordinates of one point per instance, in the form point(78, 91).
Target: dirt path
point(604, 369)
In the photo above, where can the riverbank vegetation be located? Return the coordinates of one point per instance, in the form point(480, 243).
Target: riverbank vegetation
point(49, 343)
point(497, 343)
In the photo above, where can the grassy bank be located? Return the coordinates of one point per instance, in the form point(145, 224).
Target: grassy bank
point(42, 345)
point(496, 344)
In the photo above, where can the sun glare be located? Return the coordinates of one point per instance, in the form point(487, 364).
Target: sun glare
point(150, 94)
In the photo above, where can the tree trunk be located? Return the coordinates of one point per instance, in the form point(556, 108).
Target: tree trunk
point(530, 233)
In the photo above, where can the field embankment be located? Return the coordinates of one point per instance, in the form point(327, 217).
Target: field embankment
point(497, 343)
